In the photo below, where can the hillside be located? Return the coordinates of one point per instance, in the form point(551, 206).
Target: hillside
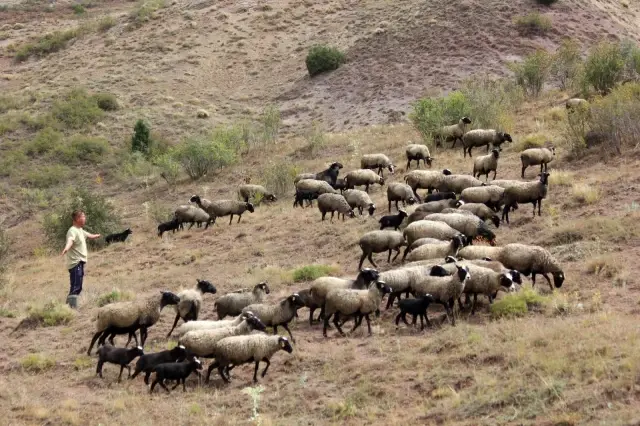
point(566, 357)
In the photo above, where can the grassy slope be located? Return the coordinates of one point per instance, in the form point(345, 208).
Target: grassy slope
point(575, 362)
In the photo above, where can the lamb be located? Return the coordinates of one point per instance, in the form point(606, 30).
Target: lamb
point(118, 356)
point(378, 242)
point(402, 279)
point(171, 225)
point(486, 164)
point(359, 199)
point(425, 179)
point(376, 161)
point(127, 317)
point(353, 303)
point(233, 303)
point(436, 250)
point(178, 371)
point(190, 302)
point(340, 185)
point(526, 259)
point(222, 208)
point(208, 324)
point(148, 362)
point(418, 152)
point(191, 214)
point(436, 206)
point(526, 192)
point(535, 156)
point(457, 183)
point(334, 203)
point(481, 137)
point(301, 196)
point(470, 226)
point(453, 132)
point(397, 191)
point(415, 307)
point(307, 300)
point(429, 229)
point(279, 314)
point(445, 290)
point(203, 342)
point(247, 191)
point(482, 211)
point(362, 177)
point(119, 237)
point(492, 195)
point(321, 286)
point(238, 350)
point(392, 221)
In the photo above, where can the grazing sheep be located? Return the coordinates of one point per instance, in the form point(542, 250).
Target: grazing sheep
point(362, 177)
point(178, 371)
point(359, 199)
point(486, 164)
point(315, 186)
point(492, 195)
point(192, 215)
point(171, 225)
point(429, 229)
point(127, 317)
point(119, 237)
point(481, 137)
point(526, 192)
point(453, 132)
point(416, 308)
point(425, 179)
point(576, 102)
point(378, 242)
point(353, 303)
point(526, 259)
point(416, 216)
point(392, 221)
point(118, 356)
point(233, 303)
point(222, 208)
point(457, 183)
point(535, 156)
point(421, 242)
point(436, 250)
point(334, 203)
point(307, 299)
point(376, 161)
point(190, 302)
point(148, 362)
point(238, 350)
point(273, 315)
point(418, 152)
point(436, 206)
point(482, 211)
point(445, 289)
point(470, 226)
point(247, 191)
point(321, 286)
point(203, 342)
point(208, 324)
point(397, 191)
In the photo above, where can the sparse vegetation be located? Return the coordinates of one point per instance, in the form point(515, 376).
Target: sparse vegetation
point(106, 101)
point(106, 23)
point(315, 139)
point(585, 193)
point(49, 43)
point(561, 178)
point(46, 176)
point(322, 58)
point(37, 363)
point(566, 63)
point(145, 10)
point(517, 304)
point(607, 266)
point(533, 23)
point(45, 141)
point(77, 110)
point(203, 154)
point(278, 178)
point(532, 140)
point(311, 272)
point(83, 149)
point(603, 68)
point(115, 295)
point(533, 71)
point(4, 254)
point(270, 121)
point(50, 314)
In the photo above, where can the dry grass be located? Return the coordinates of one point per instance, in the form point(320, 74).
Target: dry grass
point(585, 194)
point(561, 178)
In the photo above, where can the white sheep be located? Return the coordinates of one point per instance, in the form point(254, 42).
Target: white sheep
point(453, 132)
point(220, 208)
point(537, 156)
point(457, 183)
point(321, 286)
point(193, 215)
point(207, 324)
point(425, 179)
point(482, 211)
point(362, 177)
point(481, 137)
point(526, 192)
point(485, 164)
point(438, 250)
point(274, 315)
point(233, 303)
point(360, 200)
point(397, 191)
point(190, 302)
point(247, 191)
point(445, 289)
point(428, 229)
point(378, 242)
point(470, 226)
point(334, 203)
point(491, 195)
point(418, 152)
point(376, 161)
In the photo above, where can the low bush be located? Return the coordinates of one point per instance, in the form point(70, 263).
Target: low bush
point(106, 101)
point(311, 272)
point(10, 161)
point(49, 43)
point(169, 168)
point(145, 9)
point(270, 121)
point(532, 72)
point(106, 23)
point(532, 140)
point(517, 304)
point(315, 139)
point(5, 246)
point(46, 176)
point(566, 63)
point(533, 23)
point(201, 155)
point(77, 110)
point(141, 139)
point(278, 178)
point(115, 295)
point(37, 363)
point(82, 148)
point(50, 314)
point(585, 194)
point(560, 178)
point(609, 63)
point(322, 58)
point(45, 141)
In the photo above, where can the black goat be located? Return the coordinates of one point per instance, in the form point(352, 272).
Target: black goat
point(393, 220)
point(119, 237)
point(175, 371)
point(118, 356)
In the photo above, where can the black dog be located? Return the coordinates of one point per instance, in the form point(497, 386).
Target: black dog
point(120, 237)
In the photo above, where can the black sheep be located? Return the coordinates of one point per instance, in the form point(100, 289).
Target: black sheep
point(171, 225)
point(119, 237)
point(301, 196)
point(149, 362)
point(330, 174)
point(175, 371)
point(392, 221)
point(440, 196)
point(118, 356)
point(415, 307)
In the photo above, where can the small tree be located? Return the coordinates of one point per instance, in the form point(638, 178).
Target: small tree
point(603, 68)
point(566, 62)
point(532, 72)
point(322, 58)
point(141, 140)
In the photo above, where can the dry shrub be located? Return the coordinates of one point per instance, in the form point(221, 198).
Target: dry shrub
point(585, 194)
point(533, 23)
point(607, 266)
point(532, 140)
point(561, 178)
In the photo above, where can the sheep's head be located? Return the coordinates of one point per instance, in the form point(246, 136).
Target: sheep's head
point(506, 137)
point(196, 363)
point(458, 241)
point(558, 279)
point(391, 168)
point(284, 344)
point(544, 177)
point(486, 233)
point(128, 231)
point(466, 120)
point(411, 201)
point(336, 165)
point(450, 259)
point(506, 282)
point(263, 286)
point(496, 220)
point(206, 287)
point(351, 213)
point(495, 152)
point(449, 196)
point(180, 352)
point(446, 172)
point(137, 351)
point(515, 276)
point(427, 298)
point(438, 271)
point(402, 213)
point(372, 209)
point(255, 323)
point(250, 207)
point(368, 274)
point(195, 199)
point(270, 197)
point(429, 160)
point(463, 273)
point(382, 287)
point(168, 298)
point(381, 181)
point(296, 301)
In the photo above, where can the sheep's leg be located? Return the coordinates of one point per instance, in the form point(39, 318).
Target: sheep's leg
point(391, 298)
point(99, 368)
point(356, 323)
point(174, 325)
point(143, 335)
point(184, 384)
point(161, 382)
point(389, 256)
point(286, 327)
point(404, 255)
point(210, 369)
point(146, 377)
point(398, 319)
point(93, 340)
point(495, 172)
point(323, 215)
point(368, 323)
point(331, 217)
point(337, 323)
point(231, 219)
point(539, 206)
point(534, 208)
point(311, 310)
point(473, 305)
point(370, 257)
point(190, 226)
point(546, 277)
point(426, 318)
point(326, 325)
point(421, 322)
point(505, 213)
point(120, 375)
point(397, 254)
point(364, 255)
point(255, 372)
point(239, 217)
point(153, 385)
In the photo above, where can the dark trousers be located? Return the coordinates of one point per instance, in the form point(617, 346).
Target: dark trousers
point(76, 275)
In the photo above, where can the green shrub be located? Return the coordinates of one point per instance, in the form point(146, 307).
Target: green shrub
point(575, 130)
point(533, 23)
point(45, 45)
point(315, 139)
point(82, 148)
point(102, 217)
point(34, 199)
point(603, 68)
point(115, 295)
point(50, 314)
point(517, 304)
point(169, 168)
point(532, 140)
point(37, 363)
point(46, 176)
point(430, 114)
point(45, 141)
point(270, 120)
point(10, 161)
point(77, 110)
point(278, 178)
point(104, 24)
point(566, 62)
point(8, 102)
point(311, 272)
point(4, 312)
point(141, 139)
point(106, 101)
point(136, 165)
point(78, 9)
point(200, 155)
point(532, 72)
point(322, 58)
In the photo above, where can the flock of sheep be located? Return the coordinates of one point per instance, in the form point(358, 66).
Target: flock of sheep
point(439, 262)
